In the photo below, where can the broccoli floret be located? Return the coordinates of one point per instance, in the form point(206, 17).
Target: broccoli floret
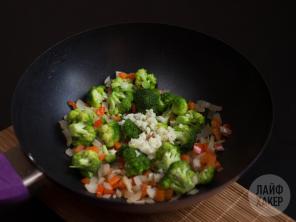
point(130, 130)
point(179, 177)
point(166, 155)
point(192, 118)
point(109, 133)
point(124, 85)
point(109, 155)
point(179, 106)
point(145, 80)
point(96, 95)
point(82, 134)
point(87, 161)
point(135, 162)
point(78, 115)
point(148, 99)
point(167, 98)
point(206, 175)
point(120, 102)
point(186, 136)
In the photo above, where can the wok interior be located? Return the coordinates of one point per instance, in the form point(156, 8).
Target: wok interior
point(185, 62)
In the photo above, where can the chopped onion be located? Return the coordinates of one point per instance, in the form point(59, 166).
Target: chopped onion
point(149, 201)
point(197, 149)
point(196, 163)
point(106, 196)
point(101, 180)
point(127, 183)
point(69, 152)
point(134, 197)
point(151, 191)
point(107, 186)
point(106, 169)
point(92, 185)
point(219, 147)
point(66, 132)
point(118, 193)
point(193, 192)
point(107, 81)
point(81, 105)
point(138, 180)
point(157, 177)
point(97, 143)
point(225, 130)
point(211, 143)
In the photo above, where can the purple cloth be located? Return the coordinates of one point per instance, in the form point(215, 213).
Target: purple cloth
point(12, 189)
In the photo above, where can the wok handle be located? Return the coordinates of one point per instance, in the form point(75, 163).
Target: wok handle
point(12, 189)
point(18, 176)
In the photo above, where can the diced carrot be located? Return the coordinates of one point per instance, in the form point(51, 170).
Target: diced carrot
point(122, 75)
point(216, 122)
point(98, 123)
point(114, 180)
point(93, 148)
point(107, 191)
point(100, 190)
point(168, 194)
point(121, 185)
point(102, 156)
point(159, 195)
point(216, 132)
point(131, 76)
point(208, 159)
point(101, 111)
point(191, 105)
point(78, 149)
point(72, 104)
point(117, 118)
point(117, 145)
point(185, 157)
point(144, 187)
point(85, 180)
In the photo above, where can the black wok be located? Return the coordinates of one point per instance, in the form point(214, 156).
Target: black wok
point(186, 62)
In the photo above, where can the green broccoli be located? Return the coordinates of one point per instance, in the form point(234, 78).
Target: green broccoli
point(145, 80)
point(179, 177)
point(120, 84)
point(148, 99)
point(166, 155)
point(82, 134)
point(186, 136)
point(109, 133)
point(120, 102)
point(206, 175)
point(78, 115)
point(87, 161)
point(135, 162)
point(96, 95)
point(167, 98)
point(109, 155)
point(130, 130)
point(191, 118)
point(179, 106)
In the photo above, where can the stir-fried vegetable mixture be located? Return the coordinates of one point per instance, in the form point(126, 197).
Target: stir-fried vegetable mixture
point(131, 140)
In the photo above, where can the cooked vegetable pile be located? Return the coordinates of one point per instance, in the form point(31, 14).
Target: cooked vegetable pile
point(131, 140)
